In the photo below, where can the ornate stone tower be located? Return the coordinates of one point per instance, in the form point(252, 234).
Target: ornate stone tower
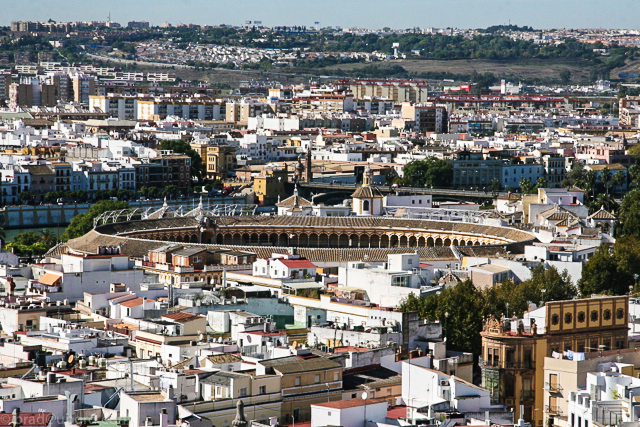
point(308, 171)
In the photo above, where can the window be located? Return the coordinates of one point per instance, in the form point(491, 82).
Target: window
point(619, 313)
point(568, 318)
point(555, 319)
point(594, 316)
point(401, 281)
point(197, 259)
point(365, 205)
point(243, 392)
point(336, 376)
point(297, 381)
point(581, 317)
point(317, 378)
point(606, 315)
point(263, 389)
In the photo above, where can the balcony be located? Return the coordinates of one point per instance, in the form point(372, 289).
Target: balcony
point(554, 410)
point(527, 394)
point(553, 388)
point(319, 388)
point(500, 364)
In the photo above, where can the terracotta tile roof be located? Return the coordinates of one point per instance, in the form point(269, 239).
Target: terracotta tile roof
point(134, 302)
point(181, 316)
point(297, 263)
point(295, 201)
point(602, 214)
point(367, 192)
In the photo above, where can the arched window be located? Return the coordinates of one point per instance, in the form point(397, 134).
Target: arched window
point(365, 205)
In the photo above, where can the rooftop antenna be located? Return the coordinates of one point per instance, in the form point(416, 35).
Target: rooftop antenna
point(109, 17)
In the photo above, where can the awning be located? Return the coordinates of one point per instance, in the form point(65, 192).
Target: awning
point(50, 279)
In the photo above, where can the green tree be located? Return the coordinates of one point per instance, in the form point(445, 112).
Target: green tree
point(634, 174)
point(494, 187)
point(183, 147)
point(565, 76)
point(83, 223)
point(123, 194)
point(605, 178)
point(601, 275)
point(25, 197)
point(48, 236)
point(29, 243)
point(81, 195)
point(527, 187)
point(464, 321)
point(428, 172)
point(170, 191)
point(618, 180)
point(629, 215)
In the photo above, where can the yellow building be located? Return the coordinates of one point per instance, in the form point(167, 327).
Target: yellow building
point(305, 380)
point(220, 160)
point(514, 350)
point(270, 184)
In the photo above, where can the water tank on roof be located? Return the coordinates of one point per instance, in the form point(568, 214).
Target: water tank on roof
point(102, 363)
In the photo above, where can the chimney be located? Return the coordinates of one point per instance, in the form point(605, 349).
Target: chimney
point(164, 418)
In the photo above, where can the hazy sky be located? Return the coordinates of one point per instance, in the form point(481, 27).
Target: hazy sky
point(346, 13)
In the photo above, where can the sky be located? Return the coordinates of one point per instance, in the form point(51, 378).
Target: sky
point(373, 14)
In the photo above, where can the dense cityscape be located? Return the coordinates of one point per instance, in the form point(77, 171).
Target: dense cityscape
point(311, 225)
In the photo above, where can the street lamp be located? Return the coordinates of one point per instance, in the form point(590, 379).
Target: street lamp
point(365, 395)
point(446, 316)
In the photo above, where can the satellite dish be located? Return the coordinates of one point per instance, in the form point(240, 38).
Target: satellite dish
point(70, 359)
point(364, 395)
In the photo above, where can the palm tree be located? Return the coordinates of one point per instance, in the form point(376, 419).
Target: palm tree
point(590, 178)
point(634, 173)
point(48, 236)
point(605, 177)
point(618, 180)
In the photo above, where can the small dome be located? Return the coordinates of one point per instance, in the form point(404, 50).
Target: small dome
point(368, 170)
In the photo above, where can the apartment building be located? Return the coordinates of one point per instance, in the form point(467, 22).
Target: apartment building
point(398, 91)
point(120, 107)
point(185, 108)
point(269, 186)
point(426, 117)
point(220, 160)
point(30, 93)
point(83, 86)
point(305, 380)
point(514, 350)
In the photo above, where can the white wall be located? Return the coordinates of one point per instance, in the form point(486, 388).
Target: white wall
point(348, 417)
